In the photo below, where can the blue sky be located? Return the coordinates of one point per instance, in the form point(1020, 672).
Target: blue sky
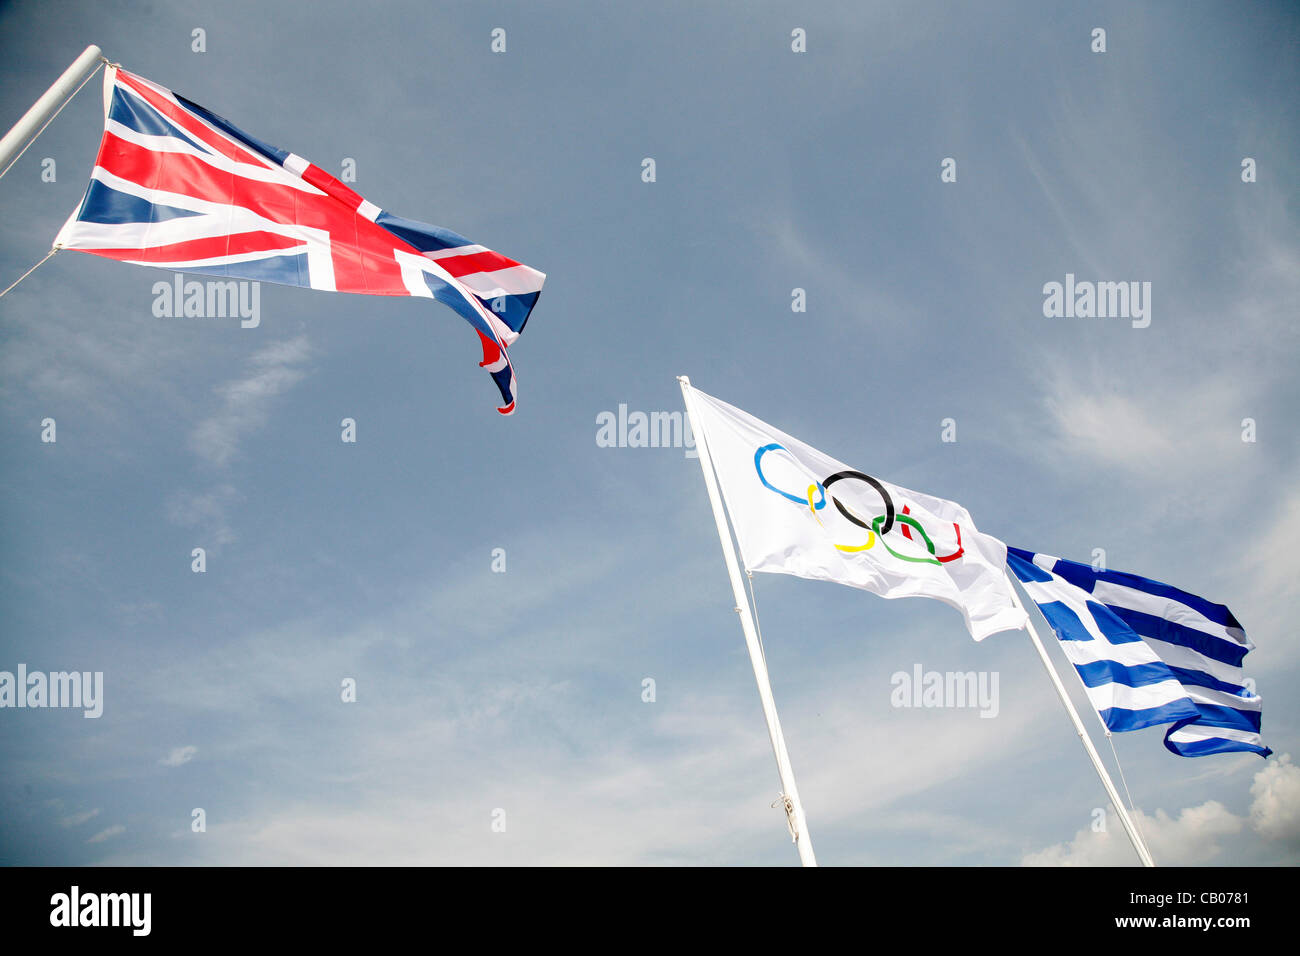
point(522, 691)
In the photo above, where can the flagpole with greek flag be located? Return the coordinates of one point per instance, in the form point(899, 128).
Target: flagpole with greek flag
point(790, 792)
point(1134, 836)
point(774, 493)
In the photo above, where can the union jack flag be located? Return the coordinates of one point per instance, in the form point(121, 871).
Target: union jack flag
point(176, 186)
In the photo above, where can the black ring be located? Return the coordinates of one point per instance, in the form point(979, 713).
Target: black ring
point(889, 502)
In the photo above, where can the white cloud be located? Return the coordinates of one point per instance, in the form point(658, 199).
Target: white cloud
point(179, 756)
point(1140, 428)
point(836, 280)
point(75, 344)
point(1190, 839)
point(1206, 834)
point(1271, 583)
point(245, 401)
point(272, 371)
point(77, 819)
point(701, 793)
point(1275, 812)
point(205, 511)
point(689, 779)
point(107, 834)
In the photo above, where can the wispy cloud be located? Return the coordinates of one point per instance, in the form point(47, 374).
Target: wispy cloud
point(1141, 429)
point(77, 819)
point(179, 756)
point(245, 405)
point(205, 511)
point(245, 401)
point(107, 834)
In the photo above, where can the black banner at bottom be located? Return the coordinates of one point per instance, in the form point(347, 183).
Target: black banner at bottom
point(619, 907)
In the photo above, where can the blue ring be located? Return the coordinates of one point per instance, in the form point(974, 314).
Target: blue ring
point(758, 458)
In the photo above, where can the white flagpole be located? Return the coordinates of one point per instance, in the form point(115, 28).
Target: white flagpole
point(790, 793)
point(1134, 837)
point(15, 141)
point(1107, 734)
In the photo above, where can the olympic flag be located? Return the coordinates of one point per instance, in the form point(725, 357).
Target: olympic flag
point(798, 511)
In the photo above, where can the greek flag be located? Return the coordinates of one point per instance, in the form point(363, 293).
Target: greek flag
point(1149, 653)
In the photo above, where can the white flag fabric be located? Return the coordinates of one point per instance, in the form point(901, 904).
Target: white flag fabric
point(798, 511)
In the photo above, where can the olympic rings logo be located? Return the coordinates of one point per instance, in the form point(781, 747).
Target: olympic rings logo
point(816, 495)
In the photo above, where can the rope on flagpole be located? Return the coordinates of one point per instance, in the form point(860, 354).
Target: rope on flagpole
point(47, 123)
point(1139, 844)
point(1110, 738)
point(1122, 779)
point(758, 628)
point(29, 272)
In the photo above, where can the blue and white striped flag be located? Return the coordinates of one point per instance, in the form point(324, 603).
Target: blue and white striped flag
point(1149, 653)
